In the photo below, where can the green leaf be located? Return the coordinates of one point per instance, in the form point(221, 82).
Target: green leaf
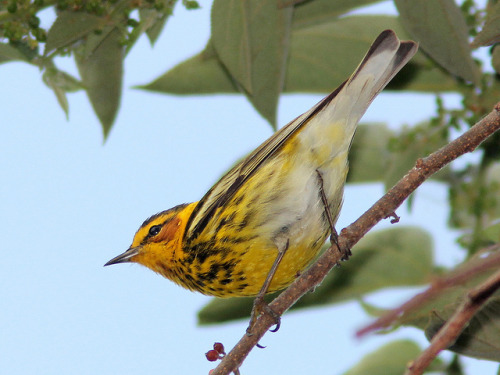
point(369, 155)
point(101, 70)
point(391, 359)
point(61, 83)
point(411, 144)
point(69, 27)
point(11, 53)
point(152, 23)
point(310, 13)
point(440, 28)
point(203, 73)
point(481, 337)
point(394, 257)
point(495, 58)
point(492, 232)
point(477, 199)
point(490, 34)
point(251, 39)
point(322, 56)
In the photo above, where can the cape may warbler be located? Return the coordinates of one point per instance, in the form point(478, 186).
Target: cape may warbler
point(271, 205)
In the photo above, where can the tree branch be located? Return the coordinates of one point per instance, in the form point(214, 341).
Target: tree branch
point(350, 235)
point(437, 287)
point(450, 331)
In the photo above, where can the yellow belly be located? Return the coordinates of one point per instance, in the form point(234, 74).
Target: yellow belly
point(278, 207)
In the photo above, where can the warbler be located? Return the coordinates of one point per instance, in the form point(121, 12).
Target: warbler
point(265, 220)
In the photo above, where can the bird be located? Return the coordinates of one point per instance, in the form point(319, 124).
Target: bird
point(268, 217)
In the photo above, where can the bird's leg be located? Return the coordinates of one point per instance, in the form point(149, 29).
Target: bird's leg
point(334, 237)
point(259, 305)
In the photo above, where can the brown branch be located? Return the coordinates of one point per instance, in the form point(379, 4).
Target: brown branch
point(437, 286)
point(450, 331)
point(350, 235)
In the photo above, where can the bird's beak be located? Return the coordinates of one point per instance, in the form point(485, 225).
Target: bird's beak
point(125, 257)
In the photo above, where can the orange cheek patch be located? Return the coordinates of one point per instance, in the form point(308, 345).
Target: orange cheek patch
point(168, 231)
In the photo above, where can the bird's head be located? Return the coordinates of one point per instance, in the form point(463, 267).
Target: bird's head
point(157, 240)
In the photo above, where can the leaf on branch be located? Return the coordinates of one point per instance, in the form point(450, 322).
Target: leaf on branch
point(101, 70)
point(477, 200)
point(200, 74)
point(313, 64)
point(310, 13)
point(369, 156)
point(391, 359)
point(490, 34)
point(11, 53)
point(152, 23)
point(481, 338)
point(442, 32)
point(251, 39)
point(393, 257)
point(61, 83)
point(70, 27)
point(411, 144)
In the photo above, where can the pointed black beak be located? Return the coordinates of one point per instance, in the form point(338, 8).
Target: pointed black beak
point(125, 257)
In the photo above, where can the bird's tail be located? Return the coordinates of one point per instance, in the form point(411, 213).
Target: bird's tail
point(344, 107)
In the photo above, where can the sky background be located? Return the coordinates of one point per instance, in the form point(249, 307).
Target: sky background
point(69, 203)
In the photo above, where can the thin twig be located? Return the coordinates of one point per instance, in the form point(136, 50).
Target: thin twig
point(437, 286)
point(450, 331)
point(350, 235)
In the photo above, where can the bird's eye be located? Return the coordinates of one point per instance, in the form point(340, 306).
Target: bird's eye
point(154, 230)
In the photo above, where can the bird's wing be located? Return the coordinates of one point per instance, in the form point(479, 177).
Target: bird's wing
point(220, 194)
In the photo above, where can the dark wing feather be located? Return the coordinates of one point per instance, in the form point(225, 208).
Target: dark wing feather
point(222, 192)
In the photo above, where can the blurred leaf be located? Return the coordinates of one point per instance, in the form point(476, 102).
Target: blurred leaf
point(413, 143)
point(322, 56)
point(481, 338)
point(311, 69)
point(369, 156)
point(70, 27)
point(11, 53)
point(440, 28)
point(201, 74)
point(371, 309)
point(391, 359)
point(153, 23)
point(492, 232)
point(475, 200)
point(155, 20)
point(490, 34)
point(65, 81)
point(310, 13)
point(101, 71)
point(61, 83)
point(251, 40)
point(495, 59)
point(400, 256)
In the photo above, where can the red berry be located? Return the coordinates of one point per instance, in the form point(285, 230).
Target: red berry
point(219, 348)
point(212, 355)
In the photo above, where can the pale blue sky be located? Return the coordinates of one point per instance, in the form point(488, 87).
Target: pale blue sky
point(70, 203)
